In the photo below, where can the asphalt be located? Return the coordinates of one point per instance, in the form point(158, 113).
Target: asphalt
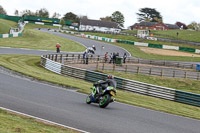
point(69, 108)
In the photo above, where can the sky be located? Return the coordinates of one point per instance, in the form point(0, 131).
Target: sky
point(185, 11)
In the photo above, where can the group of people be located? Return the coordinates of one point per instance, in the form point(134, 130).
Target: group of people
point(113, 57)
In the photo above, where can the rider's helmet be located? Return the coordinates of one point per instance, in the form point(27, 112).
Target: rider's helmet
point(110, 76)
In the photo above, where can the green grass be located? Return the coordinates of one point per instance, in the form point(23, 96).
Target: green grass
point(133, 38)
point(136, 52)
point(172, 34)
point(12, 123)
point(34, 39)
point(5, 26)
point(29, 65)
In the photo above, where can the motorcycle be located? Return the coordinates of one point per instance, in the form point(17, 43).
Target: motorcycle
point(104, 98)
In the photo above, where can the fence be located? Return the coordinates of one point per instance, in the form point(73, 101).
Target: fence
point(124, 84)
point(92, 58)
point(99, 64)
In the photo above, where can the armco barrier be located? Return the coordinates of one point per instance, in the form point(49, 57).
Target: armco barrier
point(187, 98)
point(197, 51)
point(124, 84)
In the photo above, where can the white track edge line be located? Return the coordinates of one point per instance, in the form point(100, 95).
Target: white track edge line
point(51, 122)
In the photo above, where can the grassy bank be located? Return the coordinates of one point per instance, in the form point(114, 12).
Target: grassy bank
point(33, 39)
point(5, 26)
point(30, 66)
point(136, 52)
point(172, 34)
point(11, 123)
point(135, 39)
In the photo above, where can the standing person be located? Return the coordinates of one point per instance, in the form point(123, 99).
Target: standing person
point(84, 54)
point(106, 57)
point(124, 58)
point(114, 57)
point(87, 56)
point(58, 48)
point(111, 57)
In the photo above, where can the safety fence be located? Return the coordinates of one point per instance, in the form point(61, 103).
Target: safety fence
point(167, 47)
point(78, 58)
point(123, 84)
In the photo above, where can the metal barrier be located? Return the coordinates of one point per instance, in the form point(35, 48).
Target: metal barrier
point(124, 84)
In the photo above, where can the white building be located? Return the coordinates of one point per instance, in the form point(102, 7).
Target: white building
point(98, 25)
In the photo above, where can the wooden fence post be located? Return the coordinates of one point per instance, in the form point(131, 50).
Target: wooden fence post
point(103, 67)
point(97, 67)
point(150, 71)
point(138, 70)
point(198, 76)
point(126, 69)
point(113, 67)
point(56, 57)
point(174, 73)
point(162, 73)
point(185, 75)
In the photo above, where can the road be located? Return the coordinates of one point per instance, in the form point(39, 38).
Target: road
point(68, 107)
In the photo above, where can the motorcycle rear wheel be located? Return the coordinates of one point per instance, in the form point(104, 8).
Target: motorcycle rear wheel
point(105, 101)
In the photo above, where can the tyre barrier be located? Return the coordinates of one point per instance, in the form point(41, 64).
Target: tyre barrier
point(123, 84)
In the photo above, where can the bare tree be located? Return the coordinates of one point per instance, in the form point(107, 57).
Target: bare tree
point(16, 13)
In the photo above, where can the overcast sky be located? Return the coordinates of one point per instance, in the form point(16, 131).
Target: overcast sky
point(172, 11)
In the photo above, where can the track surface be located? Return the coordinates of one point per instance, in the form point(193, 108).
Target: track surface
point(69, 108)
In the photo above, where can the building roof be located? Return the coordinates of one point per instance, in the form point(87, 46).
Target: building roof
point(98, 23)
point(172, 26)
point(149, 24)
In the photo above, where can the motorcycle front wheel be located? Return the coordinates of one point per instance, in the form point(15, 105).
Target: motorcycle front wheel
point(105, 100)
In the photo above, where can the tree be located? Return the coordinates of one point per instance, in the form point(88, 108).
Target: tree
point(194, 25)
point(16, 13)
point(71, 17)
point(43, 12)
point(181, 25)
point(2, 11)
point(107, 18)
point(28, 13)
point(149, 14)
point(118, 18)
point(55, 15)
point(62, 22)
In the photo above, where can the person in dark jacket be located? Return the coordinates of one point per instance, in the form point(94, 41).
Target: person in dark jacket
point(124, 58)
point(108, 82)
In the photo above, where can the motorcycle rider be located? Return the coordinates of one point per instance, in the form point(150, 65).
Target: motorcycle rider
point(104, 84)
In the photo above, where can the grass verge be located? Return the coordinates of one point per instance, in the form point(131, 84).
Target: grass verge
point(34, 39)
point(5, 26)
point(30, 66)
point(133, 38)
point(136, 52)
point(12, 123)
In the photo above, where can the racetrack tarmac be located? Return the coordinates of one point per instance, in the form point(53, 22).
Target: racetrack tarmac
point(68, 107)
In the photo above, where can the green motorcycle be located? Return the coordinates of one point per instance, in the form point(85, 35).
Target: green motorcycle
point(103, 98)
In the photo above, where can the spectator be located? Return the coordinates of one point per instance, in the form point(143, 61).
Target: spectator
point(58, 48)
point(111, 57)
point(114, 57)
point(87, 56)
point(124, 58)
point(84, 54)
